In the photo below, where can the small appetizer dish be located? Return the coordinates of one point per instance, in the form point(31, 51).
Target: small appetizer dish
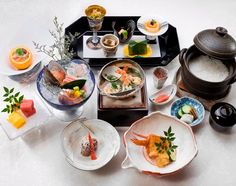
point(164, 95)
point(109, 43)
point(20, 112)
point(66, 87)
point(159, 144)
point(120, 79)
point(137, 49)
point(124, 32)
point(152, 26)
point(188, 110)
point(20, 58)
point(222, 116)
point(20, 63)
point(90, 144)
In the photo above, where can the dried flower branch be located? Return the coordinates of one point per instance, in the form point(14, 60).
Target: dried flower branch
point(60, 50)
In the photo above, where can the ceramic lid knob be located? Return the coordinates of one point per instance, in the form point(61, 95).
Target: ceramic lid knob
point(221, 31)
point(226, 111)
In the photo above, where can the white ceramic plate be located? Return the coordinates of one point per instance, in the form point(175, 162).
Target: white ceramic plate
point(108, 143)
point(169, 90)
point(40, 117)
point(156, 123)
point(143, 19)
point(7, 69)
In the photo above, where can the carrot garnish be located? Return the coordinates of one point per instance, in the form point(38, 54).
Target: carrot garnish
point(92, 150)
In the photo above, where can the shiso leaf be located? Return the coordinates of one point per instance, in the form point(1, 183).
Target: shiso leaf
point(79, 83)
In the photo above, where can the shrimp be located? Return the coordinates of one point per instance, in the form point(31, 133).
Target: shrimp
point(150, 143)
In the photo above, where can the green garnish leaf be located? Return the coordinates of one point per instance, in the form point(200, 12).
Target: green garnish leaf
point(13, 100)
point(169, 130)
point(161, 147)
point(6, 89)
point(153, 21)
point(76, 83)
point(111, 77)
point(5, 110)
point(114, 85)
point(21, 98)
point(11, 90)
point(19, 51)
point(17, 94)
point(163, 138)
point(174, 146)
point(6, 100)
point(172, 139)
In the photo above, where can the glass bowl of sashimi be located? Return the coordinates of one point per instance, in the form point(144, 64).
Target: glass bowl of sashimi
point(66, 86)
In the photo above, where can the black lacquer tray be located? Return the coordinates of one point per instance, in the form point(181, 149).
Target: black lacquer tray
point(168, 42)
point(118, 115)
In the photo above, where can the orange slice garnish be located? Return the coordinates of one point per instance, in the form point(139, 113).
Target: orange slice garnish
point(20, 58)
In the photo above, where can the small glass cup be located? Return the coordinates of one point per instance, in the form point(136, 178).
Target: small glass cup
point(95, 15)
point(160, 75)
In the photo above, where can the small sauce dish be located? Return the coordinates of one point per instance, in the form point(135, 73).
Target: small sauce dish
point(164, 95)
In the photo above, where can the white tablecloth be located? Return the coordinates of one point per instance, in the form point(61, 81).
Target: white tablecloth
point(37, 159)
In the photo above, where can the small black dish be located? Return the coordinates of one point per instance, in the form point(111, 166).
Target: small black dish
point(222, 116)
point(129, 27)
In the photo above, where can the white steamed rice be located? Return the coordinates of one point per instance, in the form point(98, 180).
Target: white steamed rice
point(209, 69)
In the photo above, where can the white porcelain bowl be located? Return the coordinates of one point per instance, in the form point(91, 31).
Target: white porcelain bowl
point(143, 19)
point(156, 123)
point(106, 135)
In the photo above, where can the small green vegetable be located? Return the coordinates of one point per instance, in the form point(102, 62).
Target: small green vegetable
point(114, 85)
point(19, 51)
point(186, 109)
point(13, 99)
point(111, 77)
point(125, 34)
point(180, 113)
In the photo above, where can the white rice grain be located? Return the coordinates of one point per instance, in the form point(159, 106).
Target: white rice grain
point(208, 69)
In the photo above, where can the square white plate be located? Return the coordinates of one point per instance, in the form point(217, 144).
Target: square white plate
point(40, 117)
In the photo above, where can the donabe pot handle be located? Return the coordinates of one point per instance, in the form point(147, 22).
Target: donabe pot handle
point(126, 163)
point(181, 56)
point(233, 80)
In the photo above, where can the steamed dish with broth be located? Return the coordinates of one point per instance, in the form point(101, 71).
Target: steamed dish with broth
point(129, 78)
point(208, 69)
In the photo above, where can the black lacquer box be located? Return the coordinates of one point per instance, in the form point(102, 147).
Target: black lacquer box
point(168, 43)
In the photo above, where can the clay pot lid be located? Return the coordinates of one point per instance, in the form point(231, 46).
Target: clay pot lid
point(216, 43)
